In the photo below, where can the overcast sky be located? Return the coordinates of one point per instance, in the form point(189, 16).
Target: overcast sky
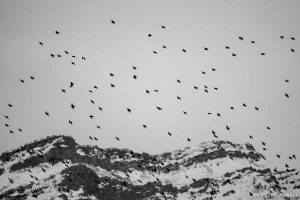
point(86, 30)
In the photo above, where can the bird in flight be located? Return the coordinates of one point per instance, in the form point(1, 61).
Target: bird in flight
point(178, 81)
point(188, 139)
point(144, 126)
point(163, 27)
point(233, 54)
point(32, 77)
point(241, 38)
point(22, 81)
point(112, 21)
point(263, 54)
point(41, 43)
point(286, 95)
point(46, 113)
point(57, 32)
point(179, 98)
point(147, 91)
point(129, 110)
point(205, 48)
point(164, 46)
point(112, 85)
point(9, 105)
point(158, 108)
point(134, 76)
point(184, 50)
point(184, 112)
point(256, 108)
point(71, 84)
point(227, 127)
point(117, 139)
point(252, 42)
point(227, 47)
point(66, 52)
point(282, 37)
point(169, 134)
point(72, 106)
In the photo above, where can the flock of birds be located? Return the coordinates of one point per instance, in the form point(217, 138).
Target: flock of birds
point(74, 60)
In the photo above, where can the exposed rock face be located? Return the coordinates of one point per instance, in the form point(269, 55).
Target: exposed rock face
point(58, 168)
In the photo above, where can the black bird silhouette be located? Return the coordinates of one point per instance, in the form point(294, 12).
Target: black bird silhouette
point(19, 129)
point(263, 143)
point(112, 21)
point(73, 63)
point(71, 84)
point(52, 55)
point(129, 110)
point(58, 55)
point(188, 139)
point(134, 76)
point(184, 50)
point(57, 32)
point(72, 106)
point(179, 98)
point(184, 112)
point(290, 157)
point(286, 165)
point(90, 137)
point(147, 91)
point(170, 134)
point(46, 113)
point(286, 95)
point(287, 81)
point(163, 27)
point(195, 87)
point(178, 81)
point(32, 77)
point(244, 105)
point(112, 85)
point(154, 52)
point(268, 128)
point(252, 42)
point(281, 36)
point(90, 91)
point(111, 74)
point(164, 46)
point(10, 180)
point(149, 35)
point(70, 122)
point(6, 116)
point(73, 56)
point(66, 52)
point(262, 54)
point(205, 48)
point(133, 67)
point(250, 136)
point(98, 127)
point(91, 116)
point(292, 50)
point(95, 87)
point(292, 38)
point(11, 131)
point(256, 108)
point(63, 90)
point(233, 54)
point(95, 138)
point(218, 114)
point(144, 126)
point(41, 43)
point(231, 107)
point(206, 90)
point(6, 125)
point(215, 88)
point(294, 156)
point(158, 108)
point(278, 156)
point(203, 72)
point(227, 127)
point(117, 139)
point(155, 90)
point(241, 38)
point(264, 149)
point(227, 47)
point(100, 108)
point(83, 58)
point(213, 69)
point(22, 81)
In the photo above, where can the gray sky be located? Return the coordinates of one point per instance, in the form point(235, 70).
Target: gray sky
point(85, 30)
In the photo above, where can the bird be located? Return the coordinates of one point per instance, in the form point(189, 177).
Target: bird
point(32, 77)
point(66, 52)
point(158, 108)
point(215, 88)
point(90, 91)
point(83, 58)
point(206, 90)
point(112, 85)
point(287, 81)
point(268, 128)
point(169, 134)
point(117, 138)
point(6, 116)
point(244, 105)
point(100, 108)
point(213, 69)
point(71, 84)
point(294, 156)
point(133, 67)
point(72, 106)
point(90, 137)
point(58, 55)
point(203, 72)
point(57, 32)
point(263, 143)
point(218, 114)
point(164, 46)
point(20, 130)
point(256, 108)
point(205, 48)
point(129, 110)
point(41, 43)
point(73, 63)
point(111, 74)
point(178, 81)
point(46, 113)
point(112, 21)
point(70, 122)
point(292, 38)
point(163, 27)
point(95, 138)
point(282, 37)
point(91, 116)
point(63, 90)
point(73, 56)
point(10, 105)
point(286, 165)
point(184, 112)
point(134, 76)
point(95, 87)
point(227, 127)
point(155, 90)
point(98, 127)
point(227, 47)
point(288, 96)
point(10, 180)
point(292, 50)
point(154, 52)
point(250, 136)
point(278, 156)
point(6, 125)
point(147, 91)
point(184, 50)
point(149, 35)
point(231, 107)
point(144, 126)
point(241, 38)
point(22, 81)
point(233, 54)
point(262, 53)
point(252, 42)
point(179, 98)
point(188, 139)
point(12, 132)
point(195, 87)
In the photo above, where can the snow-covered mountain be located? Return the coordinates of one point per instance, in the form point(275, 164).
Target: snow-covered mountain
point(59, 168)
